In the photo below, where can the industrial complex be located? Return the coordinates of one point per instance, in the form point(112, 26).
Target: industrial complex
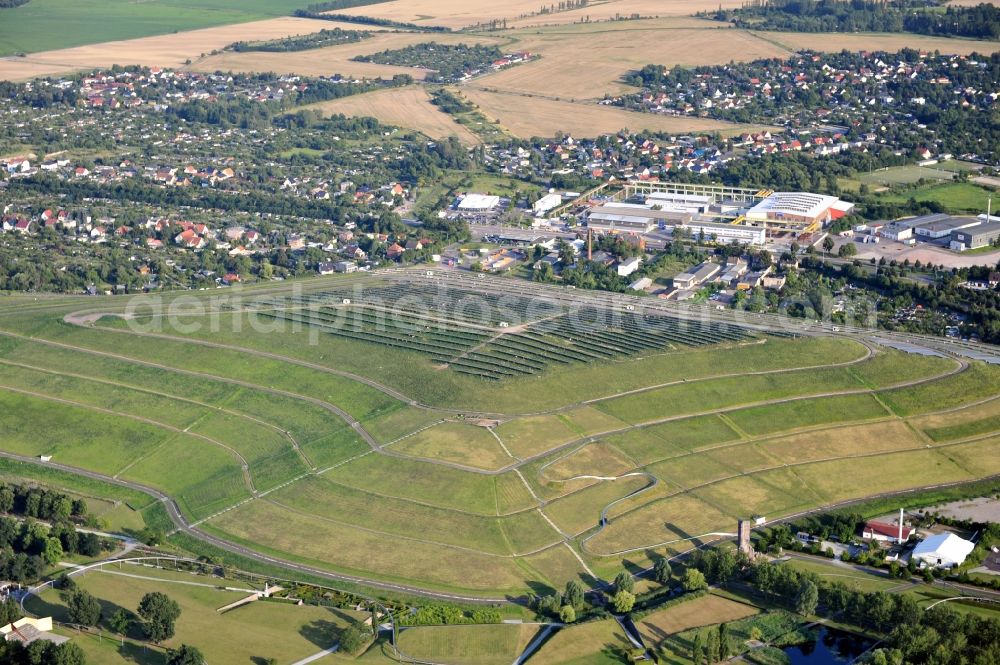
point(712, 212)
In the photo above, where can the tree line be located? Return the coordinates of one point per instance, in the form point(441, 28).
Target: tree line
point(302, 42)
point(368, 20)
point(978, 22)
point(449, 61)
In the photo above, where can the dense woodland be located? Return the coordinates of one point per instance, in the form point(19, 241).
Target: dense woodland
point(28, 547)
point(303, 42)
point(450, 62)
point(979, 22)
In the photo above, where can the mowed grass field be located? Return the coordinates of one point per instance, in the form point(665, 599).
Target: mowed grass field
point(251, 633)
point(905, 175)
point(704, 611)
point(410, 108)
point(593, 643)
point(499, 644)
point(702, 438)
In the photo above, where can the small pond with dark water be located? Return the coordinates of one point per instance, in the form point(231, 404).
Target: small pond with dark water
point(831, 647)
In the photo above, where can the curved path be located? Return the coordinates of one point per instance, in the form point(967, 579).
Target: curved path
point(182, 525)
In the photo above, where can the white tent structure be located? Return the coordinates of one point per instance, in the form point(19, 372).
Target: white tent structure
point(945, 550)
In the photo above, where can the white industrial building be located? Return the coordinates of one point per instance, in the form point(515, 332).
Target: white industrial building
point(628, 266)
point(676, 202)
point(798, 209)
point(726, 233)
point(546, 203)
point(609, 222)
point(897, 231)
point(478, 203)
point(945, 550)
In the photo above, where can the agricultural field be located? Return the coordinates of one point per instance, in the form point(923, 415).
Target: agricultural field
point(796, 41)
point(40, 24)
point(410, 108)
point(163, 50)
point(457, 14)
point(585, 62)
point(429, 447)
point(333, 59)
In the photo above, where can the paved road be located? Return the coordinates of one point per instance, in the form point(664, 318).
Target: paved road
point(316, 656)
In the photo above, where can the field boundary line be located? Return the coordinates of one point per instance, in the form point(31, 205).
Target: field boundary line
point(211, 407)
point(154, 423)
point(390, 535)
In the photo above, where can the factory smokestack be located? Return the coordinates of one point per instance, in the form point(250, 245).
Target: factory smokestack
point(900, 525)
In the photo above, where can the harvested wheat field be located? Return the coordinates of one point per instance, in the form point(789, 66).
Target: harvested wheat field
point(334, 59)
point(881, 41)
point(587, 61)
point(606, 11)
point(464, 13)
point(526, 117)
point(160, 51)
point(448, 13)
point(403, 107)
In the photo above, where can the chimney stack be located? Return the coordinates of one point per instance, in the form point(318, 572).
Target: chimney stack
point(900, 525)
point(590, 244)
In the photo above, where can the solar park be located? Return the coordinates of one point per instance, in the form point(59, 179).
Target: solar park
point(492, 336)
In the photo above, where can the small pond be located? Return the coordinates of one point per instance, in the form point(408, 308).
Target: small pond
point(831, 647)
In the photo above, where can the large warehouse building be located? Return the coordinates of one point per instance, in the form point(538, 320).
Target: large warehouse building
point(611, 220)
point(478, 203)
point(797, 211)
point(940, 225)
point(944, 550)
point(975, 237)
point(640, 219)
